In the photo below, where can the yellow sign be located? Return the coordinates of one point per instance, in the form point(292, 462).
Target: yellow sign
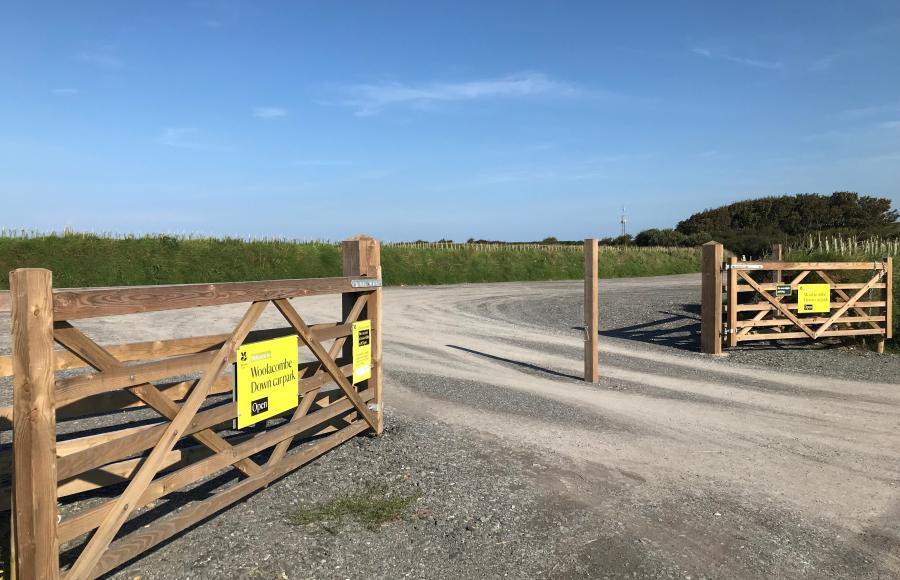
point(266, 382)
point(362, 350)
point(814, 298)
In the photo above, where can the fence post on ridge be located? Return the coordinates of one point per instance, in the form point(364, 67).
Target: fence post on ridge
point(591, 311)
point(711, 299)
point(35, 540)
point(362, 257)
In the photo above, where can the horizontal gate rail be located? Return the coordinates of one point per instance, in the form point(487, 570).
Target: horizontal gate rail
point(193, 438)
point(762, 301)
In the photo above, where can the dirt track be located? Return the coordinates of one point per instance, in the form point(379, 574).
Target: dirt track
point(755, 471)
point(676, 465)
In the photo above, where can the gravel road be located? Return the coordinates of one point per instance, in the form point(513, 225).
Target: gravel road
point(772, 462)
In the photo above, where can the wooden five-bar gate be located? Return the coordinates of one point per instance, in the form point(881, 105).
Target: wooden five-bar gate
point(152, 460)
point(764, 300)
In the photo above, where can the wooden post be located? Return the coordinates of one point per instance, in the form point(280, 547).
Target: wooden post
point(889, 303)
point(732, 301)
point(362, 257)
point(711, 299)
point(34, 425)
point(777, 256)
point(591, 311)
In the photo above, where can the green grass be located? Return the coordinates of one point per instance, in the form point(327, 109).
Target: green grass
point(371, 507)
point(83, 260)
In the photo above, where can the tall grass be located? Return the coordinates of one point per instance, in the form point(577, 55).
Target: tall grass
point(870, 247)
point(81, 259)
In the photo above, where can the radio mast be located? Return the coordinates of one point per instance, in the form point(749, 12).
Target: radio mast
point(623, 221)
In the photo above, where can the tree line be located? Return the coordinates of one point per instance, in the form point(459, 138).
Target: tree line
point(751, 226)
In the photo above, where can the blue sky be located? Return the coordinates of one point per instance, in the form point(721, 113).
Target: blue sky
point(407, 120)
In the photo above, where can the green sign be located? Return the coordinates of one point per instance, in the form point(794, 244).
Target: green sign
point(783, 290)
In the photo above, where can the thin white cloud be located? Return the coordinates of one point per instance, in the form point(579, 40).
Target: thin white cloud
point(319, 163)
point(101, 59)
point(269, 112)
point(824, 63)
point(751, 62)
point(708, 154)
point(370, 99)
point(870, 110)
point(181, 138)
point(889, 125)
point(65, 91)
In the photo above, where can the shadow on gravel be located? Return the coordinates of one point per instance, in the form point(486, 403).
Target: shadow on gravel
point(522, 364)
point(679, 330)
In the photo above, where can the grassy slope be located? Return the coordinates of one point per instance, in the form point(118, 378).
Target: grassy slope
point(78, 261)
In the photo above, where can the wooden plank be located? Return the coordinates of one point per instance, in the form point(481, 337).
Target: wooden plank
point(777, 256)
point(817, 320)
point(376, 315)
point(790, 335)
point(778, 306)
point(93, 302)
point(757, 266)
point(87, 560)
point(176, 391)
point(840, 311)
point(152, 349)
point(794, 306)
point(122, 471)
point(294, 319)
point(89, 518)
point(92, 353)
point(762, 314)
point(889, 297)
point(711, 299)
point(4, 301)
point(844, 296)
point(842, 286)
point(137, 442)
point(34, 427)
point(153, 534)
point(361, 301)
point(731, 291)
point(143, 438)
point(591, 311)
point(74, 388)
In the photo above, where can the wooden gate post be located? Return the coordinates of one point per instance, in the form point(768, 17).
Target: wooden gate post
point(34, 425)
point(362, 257)
point(711, 299)
point(591, 311)
point(777, 256)
point(889, 303)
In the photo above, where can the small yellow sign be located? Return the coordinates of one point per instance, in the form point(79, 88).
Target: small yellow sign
point(362, 351)
point(814, 298)
point(266, 381)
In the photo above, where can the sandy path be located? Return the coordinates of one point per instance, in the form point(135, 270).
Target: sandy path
point(820, 447)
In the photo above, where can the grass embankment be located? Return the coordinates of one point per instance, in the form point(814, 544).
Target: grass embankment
point(87, 260)
point(856, 255)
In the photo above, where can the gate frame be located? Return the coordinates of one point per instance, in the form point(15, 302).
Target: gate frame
point(39, 318)
point(735, 279)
